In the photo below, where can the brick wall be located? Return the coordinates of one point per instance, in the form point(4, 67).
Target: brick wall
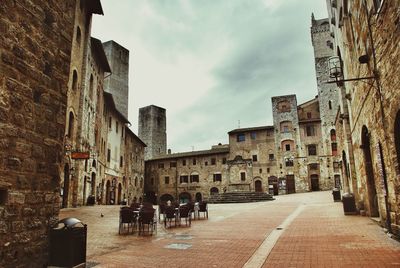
point(35, 49)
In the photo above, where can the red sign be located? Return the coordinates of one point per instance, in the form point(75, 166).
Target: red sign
point(80, 155)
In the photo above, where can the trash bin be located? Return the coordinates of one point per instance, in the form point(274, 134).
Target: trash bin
point(349, 204)
point(68, 243)
point(336, 195)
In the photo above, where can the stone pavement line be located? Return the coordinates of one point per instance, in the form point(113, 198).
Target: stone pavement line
point(262, 253)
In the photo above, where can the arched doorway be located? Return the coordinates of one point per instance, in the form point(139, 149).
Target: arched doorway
point(108, 193)
point(93, 184)
point(314, 182)
point(65, 191)
point(185, 197)
point(371, 188)
point(166, 197)
point(258, 186)
point(119, 193)
point(214, 190)
point(199, 197)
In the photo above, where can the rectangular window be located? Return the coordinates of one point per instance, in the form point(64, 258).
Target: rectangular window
point(217, 177)
point(310, 131)
point(160, 165)
point(166, 180)
point(313, 166)
point(172, 164)
point(267, 170)
point(108, 155)
point(271, 157)
point(289, 163)
point(287, 147)
point(184, 179)
point(260, 171)
point(240, 137)
point(309, 115)
point(116, 126)
point(194, 161)
point(254, 158)
point(184, 162)
point(285, 129)
point(121, 161)
point(334, 148)
point(224, 160)
point(213, 161)
point(253, 135)
point(312, 149)
point(194, 178)
point(206, 163)
point(109, 122)
point(242, 176)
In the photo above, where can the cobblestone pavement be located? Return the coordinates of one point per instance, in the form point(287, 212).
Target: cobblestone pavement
point(299, 230)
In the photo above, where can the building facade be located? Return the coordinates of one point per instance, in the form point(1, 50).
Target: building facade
point(33, 103)
point(366, 45)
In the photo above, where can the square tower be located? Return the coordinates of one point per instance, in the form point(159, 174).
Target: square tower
point(153, 130)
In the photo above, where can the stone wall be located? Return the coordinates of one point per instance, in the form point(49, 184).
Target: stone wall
point(35, 51)
point(153, 130)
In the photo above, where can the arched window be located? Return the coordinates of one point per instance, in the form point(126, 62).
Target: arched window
point(333, 135)
point(78, 35)
point(74, 80)
point(70, 125)
point(91, 87)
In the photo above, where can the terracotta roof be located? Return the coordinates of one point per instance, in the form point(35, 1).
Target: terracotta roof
point(238, 130)
point(101, 55)
point(109, 97)
point(222, 150)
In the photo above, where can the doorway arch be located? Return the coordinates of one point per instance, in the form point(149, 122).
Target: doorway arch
point(369, 173)
point(166, 197)
point(185, 197)
point(65, 187)
point(119, 200)
point(258, 186)
point(214, 190)
point(108, 191)
point(199, 197)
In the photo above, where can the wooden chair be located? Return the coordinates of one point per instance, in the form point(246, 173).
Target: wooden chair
point(147, 218)
point(126, 218)
point(203, 207)
point(192, 210)
point(170, 215)
point(185, 213)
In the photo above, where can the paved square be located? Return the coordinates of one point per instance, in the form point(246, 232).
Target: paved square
point(299, 230)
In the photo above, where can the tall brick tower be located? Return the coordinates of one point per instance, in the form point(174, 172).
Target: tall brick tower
point(117, 82)
point(153, 130)
point(328, 94)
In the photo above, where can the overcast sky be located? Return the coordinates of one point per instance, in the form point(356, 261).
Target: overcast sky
point(211, 63)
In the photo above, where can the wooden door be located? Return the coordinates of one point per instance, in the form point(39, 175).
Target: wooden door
point(290, 185)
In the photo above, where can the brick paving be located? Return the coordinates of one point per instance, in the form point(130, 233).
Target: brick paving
point(319, 236)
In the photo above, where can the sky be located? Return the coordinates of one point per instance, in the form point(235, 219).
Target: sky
point(212, 64)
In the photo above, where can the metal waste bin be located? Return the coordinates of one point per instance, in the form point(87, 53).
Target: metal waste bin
point(336, 195)
point(68, 243)
point(349, 204)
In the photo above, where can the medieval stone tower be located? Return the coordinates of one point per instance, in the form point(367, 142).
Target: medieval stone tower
point(117, 82)
point(153, 130)
point(286, 122)
point(328, 94)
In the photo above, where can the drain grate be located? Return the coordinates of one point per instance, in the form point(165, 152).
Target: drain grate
point(178, 246)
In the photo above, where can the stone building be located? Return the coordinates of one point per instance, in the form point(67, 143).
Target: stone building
point(118, 83)
point(72, 182)
point(134, 166)
point(366, 44)
point(153, 130)
point(288, 156)
point(33, 102)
